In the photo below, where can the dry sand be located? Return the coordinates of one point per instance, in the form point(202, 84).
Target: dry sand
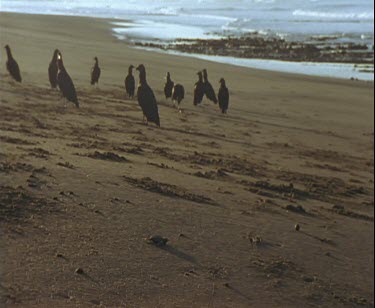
point(84, 188)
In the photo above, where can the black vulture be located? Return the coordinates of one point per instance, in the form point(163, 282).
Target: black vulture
point(199, 90)
point(146, 98)
point(223, 96)
point(130, 82)
point(12, 66)
point(208, 89)
point(178, 93)
point(52, 70)
point(168, 87)
point(95, 72)
point(65, 83)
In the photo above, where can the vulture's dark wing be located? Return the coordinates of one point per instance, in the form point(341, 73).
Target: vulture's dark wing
point(52, 74)
point(210, 93)
point(147, 101)
point(67, 87)
point(14, 70)
point(223, 98)
point(198, 93)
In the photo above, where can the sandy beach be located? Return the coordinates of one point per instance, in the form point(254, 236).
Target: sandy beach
point(83, 188)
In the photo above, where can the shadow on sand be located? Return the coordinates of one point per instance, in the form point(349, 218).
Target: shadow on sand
point(179, 254)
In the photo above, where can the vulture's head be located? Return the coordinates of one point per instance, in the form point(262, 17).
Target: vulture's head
point(141, 68)
point(205, 75)
point(55, 54)
point(60, 63)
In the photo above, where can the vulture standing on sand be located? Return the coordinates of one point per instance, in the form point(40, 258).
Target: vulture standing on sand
point(223, 96)
point(52, 70)
point(65, 83)
point(95, 72)
point(199, 90)
point(12, 66)
point(130, 82)
point(208, 89)
point(146, 98)
point(178, 93)
point(168, 87)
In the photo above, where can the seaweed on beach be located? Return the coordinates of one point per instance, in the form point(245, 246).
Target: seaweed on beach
point(167, 190)
point(17, 204)
point(256, 46)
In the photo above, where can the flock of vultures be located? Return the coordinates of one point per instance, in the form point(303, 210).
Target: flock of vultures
point(58, 76)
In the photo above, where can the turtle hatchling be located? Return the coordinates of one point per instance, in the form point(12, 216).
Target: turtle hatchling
point(157, 240)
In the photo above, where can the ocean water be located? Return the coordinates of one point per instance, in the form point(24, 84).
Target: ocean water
point(167, 20)
point(170, 19)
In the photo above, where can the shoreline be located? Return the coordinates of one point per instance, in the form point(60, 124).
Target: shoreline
point(256, 46)
point(343, 61)
point(320, 58)
point(343, 71)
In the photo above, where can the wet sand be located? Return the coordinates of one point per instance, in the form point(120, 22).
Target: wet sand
point(81, 189)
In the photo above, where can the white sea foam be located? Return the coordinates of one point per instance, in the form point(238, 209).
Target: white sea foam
point(359, 16)
point(145, 29)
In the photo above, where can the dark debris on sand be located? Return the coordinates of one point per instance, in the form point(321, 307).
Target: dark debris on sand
point(8, 167)
point(339, 209)
point(296, 209)
point(109, 156)
point(17, 204)
point(211, 175)
point(167, 190)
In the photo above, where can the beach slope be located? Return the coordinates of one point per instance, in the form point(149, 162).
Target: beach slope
point(81, 189)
